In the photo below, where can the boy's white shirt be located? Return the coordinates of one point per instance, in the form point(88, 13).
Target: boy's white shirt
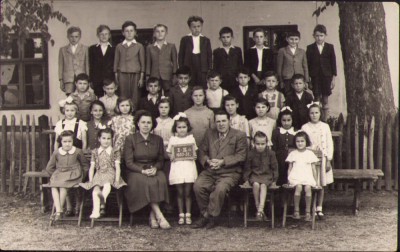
point(300, 95)
point(244, 89)
point(260, 56)
point(320, 47)
point(73, 48)
point(196, 43)
point(160, 45)
point(184, 88)
point(104, 47)
point(227, 49)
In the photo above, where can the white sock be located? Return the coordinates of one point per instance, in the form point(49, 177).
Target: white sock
point(319, 208)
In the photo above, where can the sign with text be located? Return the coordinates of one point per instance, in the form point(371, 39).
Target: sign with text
point(184, 152)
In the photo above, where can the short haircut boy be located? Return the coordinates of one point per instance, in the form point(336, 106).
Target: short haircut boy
point(194, 19)
point(128, 23)
point(269, 74)
point(82, 76)
point(320, 28)
point(243, 70)
point(184, 70)
point(229, 98)
point(225, 30)
point(212, 74)
point(73, 29)
point(152, 80)
point(102, 28)
point(259, 30)
point(107, 82)
point(160, 25)
point(298, 77)
point(293, 34)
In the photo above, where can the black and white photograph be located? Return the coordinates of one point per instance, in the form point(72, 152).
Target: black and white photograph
point(173, 125)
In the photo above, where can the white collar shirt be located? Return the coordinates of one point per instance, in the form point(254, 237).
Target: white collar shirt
point(129, 43)
point(320, 47)
point(73, 48)
point(196, 43)
point(293, 50)
point(63, 152)
point(299, 95)
point(260, 57)
point(160, 45)
point(104, 47)
point(243, 89)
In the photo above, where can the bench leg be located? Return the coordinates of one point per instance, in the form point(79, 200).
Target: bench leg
point(245, 207)
point(272, 203)
point(42, 196)
point(285, 203)
point(356, 200)
point(81, 208)
point(120, 206)
point(26, 180)
point(131, 219)
point(313, 210)
point(53, 210)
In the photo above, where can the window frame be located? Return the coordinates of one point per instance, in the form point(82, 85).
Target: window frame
point(22, 62)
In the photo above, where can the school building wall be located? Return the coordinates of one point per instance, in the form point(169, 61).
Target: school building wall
point(236, 14)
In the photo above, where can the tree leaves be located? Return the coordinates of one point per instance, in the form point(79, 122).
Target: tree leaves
point(27, 16)
point(322, 8)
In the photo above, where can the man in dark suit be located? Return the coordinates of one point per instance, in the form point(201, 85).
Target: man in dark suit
point(221, 153)
point(101, 60)
point(195, 52)
point(321, 60)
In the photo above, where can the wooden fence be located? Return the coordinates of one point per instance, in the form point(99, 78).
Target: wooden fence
point(371, 144)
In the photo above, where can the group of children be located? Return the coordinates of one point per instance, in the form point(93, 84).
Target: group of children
point(94, 130)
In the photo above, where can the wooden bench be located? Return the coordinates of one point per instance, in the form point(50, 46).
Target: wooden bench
point(356, 177)
point(40, 175)
point(270, 192)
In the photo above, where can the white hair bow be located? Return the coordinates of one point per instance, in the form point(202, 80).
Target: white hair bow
point(286, 108)
point(62, 103)
point(179, 115)
point(312, 103)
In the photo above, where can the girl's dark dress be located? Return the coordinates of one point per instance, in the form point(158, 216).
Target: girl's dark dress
point(261, 167)
point(282, 141)
point(140, 153)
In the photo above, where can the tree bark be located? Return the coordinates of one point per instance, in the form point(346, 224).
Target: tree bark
point(364, 49)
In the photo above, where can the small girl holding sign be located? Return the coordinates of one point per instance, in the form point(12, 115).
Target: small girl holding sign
point(183, 171)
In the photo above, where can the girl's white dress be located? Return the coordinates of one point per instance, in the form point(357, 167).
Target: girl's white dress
point(182, 171)
point(321, 139)
point(301, 173)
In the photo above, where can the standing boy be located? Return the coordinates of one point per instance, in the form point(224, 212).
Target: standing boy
point(227, 59)
point(150, 102)
point(291, 60)
point(129, 64)
point(161, 59)
point(195, 52)
point(245, 93)
point(298, 101)
point(180, 95)
point(322, 66)
point(101, 60)
point(110, 98)
point(73, 59)
point(214, 93)
point(259, 58)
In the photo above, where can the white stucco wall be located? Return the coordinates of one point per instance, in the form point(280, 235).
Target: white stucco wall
point(236, 14)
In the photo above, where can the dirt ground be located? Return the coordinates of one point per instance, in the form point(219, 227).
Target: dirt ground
point(22, 226)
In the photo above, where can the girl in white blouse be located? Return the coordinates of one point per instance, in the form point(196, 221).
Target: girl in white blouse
point(322, 144)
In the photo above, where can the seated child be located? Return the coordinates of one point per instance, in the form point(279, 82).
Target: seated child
point(298, 101)
point(237, 121)
point(110, 98)
point(66, 167)
point(180, 96)
point(83, 96)
point(214, 93)
point(150, 102)
point(274, 97)
point(245, 93)
point(104, 172)
point(260, 171)
point(302, 172)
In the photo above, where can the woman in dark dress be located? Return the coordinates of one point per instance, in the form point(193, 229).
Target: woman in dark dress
point(144, 158)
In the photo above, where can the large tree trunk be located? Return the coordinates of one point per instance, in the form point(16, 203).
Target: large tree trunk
point(364, 49)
